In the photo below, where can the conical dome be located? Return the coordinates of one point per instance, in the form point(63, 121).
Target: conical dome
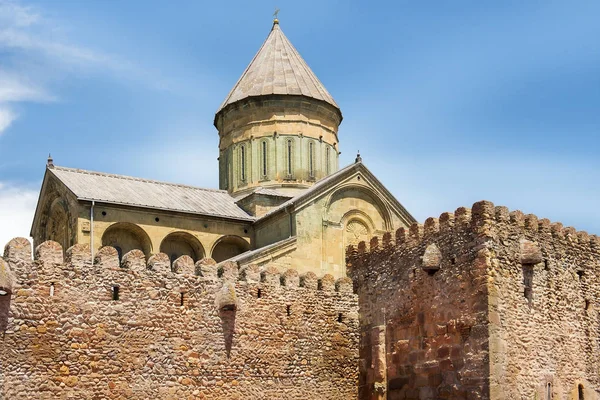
point(278, 68)
point(278, 125)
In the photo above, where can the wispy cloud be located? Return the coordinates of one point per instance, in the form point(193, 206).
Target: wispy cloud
point(6, 118)
point(17, 205)
point(29, 37)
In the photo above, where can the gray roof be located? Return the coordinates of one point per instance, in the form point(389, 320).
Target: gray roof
point(126, 190)
point(266, 192)
point(278, 68)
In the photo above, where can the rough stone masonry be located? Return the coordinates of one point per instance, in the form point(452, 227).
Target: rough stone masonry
point(478, 304)
point(144, 330)
point(481, 304)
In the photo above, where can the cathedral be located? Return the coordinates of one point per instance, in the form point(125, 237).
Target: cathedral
point(296, 279)
point(282, 198)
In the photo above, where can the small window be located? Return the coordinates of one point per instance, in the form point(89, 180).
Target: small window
point(311, 159)
point(258, 293)
point(340, 318)
point(288, 310)
point(549, 391)
point(580, 391)
point(52, 289)
point(528, 283)
point(289, 158)
point(182, 299)
point(243, 163)
point(115, 293)
point(327, 160)
point(264, 159)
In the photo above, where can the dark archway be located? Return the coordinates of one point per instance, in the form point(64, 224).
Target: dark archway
point(125, 236)
point(229, 246)
point(178, 244)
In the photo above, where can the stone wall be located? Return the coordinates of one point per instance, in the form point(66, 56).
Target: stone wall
point(484, 304)
point(138, 330)
point(424, 332)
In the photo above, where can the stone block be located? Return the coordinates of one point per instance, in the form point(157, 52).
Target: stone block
point(183, 265)
point(79, 255)
point(207, 268)
point(18, 249)
point(327, 283)
point(134, 260)
point(107, 257)
point(49, 252)
point(159, 262)
point(290, 278)
point(309, 281)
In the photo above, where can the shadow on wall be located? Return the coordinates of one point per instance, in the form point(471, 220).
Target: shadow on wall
point(229, 246)
point(125, 237)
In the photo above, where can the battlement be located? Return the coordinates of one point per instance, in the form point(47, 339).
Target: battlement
point(482, 221)
point(50, 264)
point(474, 292)
point(187, 328)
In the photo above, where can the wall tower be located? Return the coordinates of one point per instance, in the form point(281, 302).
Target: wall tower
point(278, 125)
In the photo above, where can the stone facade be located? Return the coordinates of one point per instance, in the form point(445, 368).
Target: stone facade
point(136, 330)
point(481, 304)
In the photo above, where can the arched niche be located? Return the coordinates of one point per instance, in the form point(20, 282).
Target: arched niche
point(229, 246)
point(125, 236)
point(361, 200)
point(57, 225)
point(357, 227)
point(178, 244)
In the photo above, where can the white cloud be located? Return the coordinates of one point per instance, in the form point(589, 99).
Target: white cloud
point(15, 88)
point(17, 205)
point(13, 14)
point(6, 118)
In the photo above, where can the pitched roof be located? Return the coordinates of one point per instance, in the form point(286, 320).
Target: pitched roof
point(325, 182)
point(137, 192)
point(278, 68)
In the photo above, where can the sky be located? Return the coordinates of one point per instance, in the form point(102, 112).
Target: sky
point(449, 103)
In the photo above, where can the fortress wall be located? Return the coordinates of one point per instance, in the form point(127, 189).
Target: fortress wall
point(422, 301)
point(512, 312)
point(231, 339)
point(544, 309)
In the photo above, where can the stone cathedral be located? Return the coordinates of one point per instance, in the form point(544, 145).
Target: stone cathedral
point(296, 279)
point(282, 198)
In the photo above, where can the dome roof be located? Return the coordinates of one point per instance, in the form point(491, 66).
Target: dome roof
point(277, 68)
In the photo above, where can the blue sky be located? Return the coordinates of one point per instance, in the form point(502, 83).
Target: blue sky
point(448, 102)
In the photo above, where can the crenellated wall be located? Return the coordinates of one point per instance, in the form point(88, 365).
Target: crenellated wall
point(139, 330)
point(479, 304)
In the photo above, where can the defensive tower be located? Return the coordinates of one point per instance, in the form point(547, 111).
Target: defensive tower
point(278, 125)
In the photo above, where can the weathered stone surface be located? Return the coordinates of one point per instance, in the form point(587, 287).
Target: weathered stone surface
point(207, 267)
point(134, 260)
point(432, 259)
point(309, 281)
point(175, 336)
point(184, 265)
point(229, 271)
point(17, 249)
point(251, 273)
point(107, 257)
point(79, 255)
point(530, 252)
point(49, 252)
point(290, 278)
point(270, 276)
point(159, 262)
point(327, 283)
point(497, 322)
